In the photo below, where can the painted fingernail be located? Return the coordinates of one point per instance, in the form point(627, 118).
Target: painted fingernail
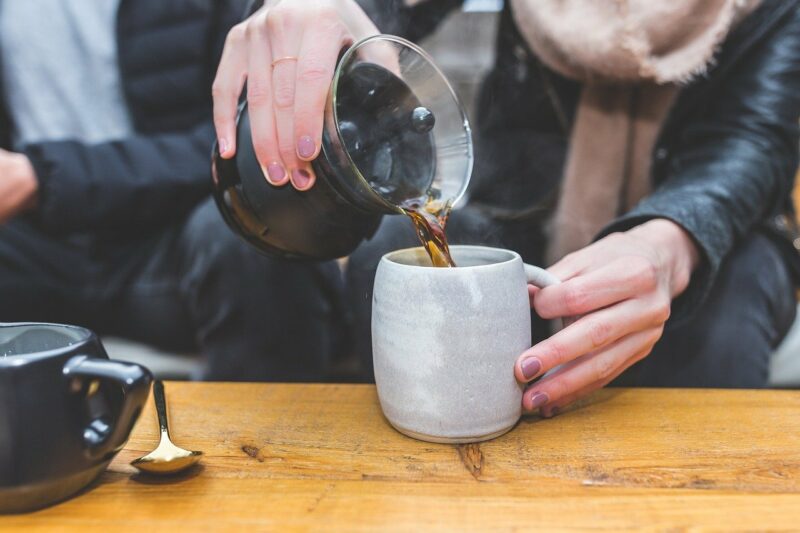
point(301, 178)
point(530, 367)
point(223, 146)
point(275, 172)
point(539, 399)
point(306, 147)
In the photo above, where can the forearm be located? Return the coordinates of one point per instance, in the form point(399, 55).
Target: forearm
point(136, 183)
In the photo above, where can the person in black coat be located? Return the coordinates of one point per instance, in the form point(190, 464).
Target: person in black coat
point(105, 179)
point(687, 254)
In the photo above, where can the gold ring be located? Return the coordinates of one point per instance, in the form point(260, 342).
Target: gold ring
point(282, 59)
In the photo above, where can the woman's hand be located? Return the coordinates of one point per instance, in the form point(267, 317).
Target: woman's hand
point(287, 53)
point(620, 289)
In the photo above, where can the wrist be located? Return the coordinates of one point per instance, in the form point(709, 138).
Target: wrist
point(676, 247)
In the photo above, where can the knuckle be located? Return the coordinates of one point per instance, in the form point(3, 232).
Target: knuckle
point(645, 273)
point(575, 299)
point(258, 92)
point(279, 19)
point(219, 89)
point(663, 311)
point(287, 149)
point(237, 34)
point(603, 368)
point(558, 389)
point(251, 29)
point(326, 13)
point(554, 354)
point(284, 92)
point(600, 332)
point(263, 141)
point(313, 71)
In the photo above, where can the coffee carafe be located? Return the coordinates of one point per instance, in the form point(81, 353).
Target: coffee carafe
point(394, 131)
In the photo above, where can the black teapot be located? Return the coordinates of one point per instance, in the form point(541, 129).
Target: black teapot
point(394, 131)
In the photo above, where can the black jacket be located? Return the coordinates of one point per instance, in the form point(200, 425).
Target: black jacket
point(168, 55)
point(724, 163)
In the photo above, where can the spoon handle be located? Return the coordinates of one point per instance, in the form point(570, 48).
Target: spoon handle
point(161, 405)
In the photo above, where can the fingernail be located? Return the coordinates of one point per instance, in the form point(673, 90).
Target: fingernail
point(223, 146)
point(301, 178)
point(275, 172)
point(539, 399)
point(530, 367)
point(306, 147)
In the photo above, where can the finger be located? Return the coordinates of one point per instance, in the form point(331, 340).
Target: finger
point(597, 288)
point(260, 108)
point(227, 87)
point(285, 34)
point(551, 409)
point(532, 291)
point(315, 68)
point(589, 334)
point(589, 369)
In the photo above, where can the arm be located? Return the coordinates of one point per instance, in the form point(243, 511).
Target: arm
point(137, 182)
point(133, 183)
point(735, 166)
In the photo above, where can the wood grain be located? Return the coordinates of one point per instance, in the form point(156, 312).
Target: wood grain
point(299, 457)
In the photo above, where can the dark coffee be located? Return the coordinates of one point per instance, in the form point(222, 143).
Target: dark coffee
point(430, 219)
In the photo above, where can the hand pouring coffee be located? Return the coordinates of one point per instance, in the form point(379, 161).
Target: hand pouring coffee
point(396, 140)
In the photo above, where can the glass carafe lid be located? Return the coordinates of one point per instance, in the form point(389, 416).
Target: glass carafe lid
point(403, 131)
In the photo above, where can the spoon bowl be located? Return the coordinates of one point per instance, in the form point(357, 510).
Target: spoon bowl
point(167, 458)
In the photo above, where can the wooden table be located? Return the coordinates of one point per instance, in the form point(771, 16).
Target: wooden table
point(322, 457)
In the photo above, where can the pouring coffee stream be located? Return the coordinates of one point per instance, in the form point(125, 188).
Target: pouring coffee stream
point(395, 140)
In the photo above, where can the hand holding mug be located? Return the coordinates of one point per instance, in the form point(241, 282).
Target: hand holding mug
point(287, 53)
point(621, 288)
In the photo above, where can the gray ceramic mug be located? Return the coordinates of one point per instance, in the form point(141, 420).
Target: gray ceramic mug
point(444, 341)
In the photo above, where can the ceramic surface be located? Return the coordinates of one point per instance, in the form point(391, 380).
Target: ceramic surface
point(445, 341)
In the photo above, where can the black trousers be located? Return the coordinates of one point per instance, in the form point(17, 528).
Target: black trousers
point(191, 286)
point(726, 343)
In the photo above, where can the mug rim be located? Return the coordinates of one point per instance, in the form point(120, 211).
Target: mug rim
point(510, 254)
point(18, 360)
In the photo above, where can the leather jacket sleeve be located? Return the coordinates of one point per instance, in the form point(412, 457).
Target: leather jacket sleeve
point(733, 165)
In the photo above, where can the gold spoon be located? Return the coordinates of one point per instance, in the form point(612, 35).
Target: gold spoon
point(166, 458)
